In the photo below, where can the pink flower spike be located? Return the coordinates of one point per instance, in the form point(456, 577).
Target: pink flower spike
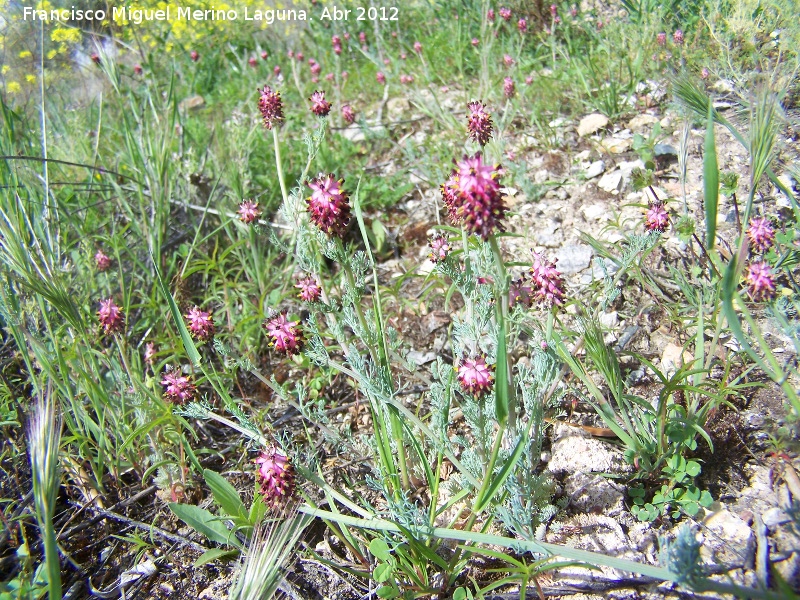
point(528, 80)
point(477, 202)
point(348, 114)
point(252, 61)
point(310, 291)
point(380, 77)
point(479, 122)
point(553, 10)
point(270, 105)
point(178, 388)
point(111, 317)
point(509, 89)
point(677, 37)
point(546, 281)
point(656, 218)
point(505, 13)
point(346, 36)
point(761, 234)
point(200, 324)
point(275, 477)
point(362, 37)
point(522, 25)
point(299, 56)
point(760, 281)
point(328, 205)
point(490, 15)
point(475, 376)
point(248, 211)
point(194, 55)
point(137, 69)
point(417, 47)
point(319, 106)
point(508, 61)
point(440, 248)
point(150, 353)
point(475, 42)
point(285, 336)
point(264, 55)
point(102, 261)
point(277, 70)
point(661, 39)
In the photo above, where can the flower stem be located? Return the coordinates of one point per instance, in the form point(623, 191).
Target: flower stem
point(278, 165)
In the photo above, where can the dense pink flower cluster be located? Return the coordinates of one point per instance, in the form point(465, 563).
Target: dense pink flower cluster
point(111, 317)
point(761, 234)
point(194, 55)
point(275, 477)
point(252, 61)
point(270, 105)
point(337, 44)
point(248, 211)
point(102, 261)
point(656, 218)
point(505, 13)
point(760, 281)
point(473, 198)
point(285, 335)
point(508, 61)
point(417, 47)
point(546, 281)
point(310, 290)
point(319, 106)
point(200, 323)
point(479, 122)
point(328, 205)
point(178, 388)
point(380, 77)
point(522, 25)
point(475, 376)
point(440, 248)
point(677, 37)
point(509, 89)
point(348, 114)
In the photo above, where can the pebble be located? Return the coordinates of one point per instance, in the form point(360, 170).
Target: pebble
point(573, 259)
point(591, 124)
point(641, 121)
point(728, 539)
point(611, 182)
point(595, 169)
point(774, 517)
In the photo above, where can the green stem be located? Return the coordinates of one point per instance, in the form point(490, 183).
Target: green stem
point(279, 165)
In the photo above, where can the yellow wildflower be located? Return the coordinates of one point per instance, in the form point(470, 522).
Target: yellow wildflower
point(30, 78)
point(12, 87)
point(5, 69)
point(25, 54)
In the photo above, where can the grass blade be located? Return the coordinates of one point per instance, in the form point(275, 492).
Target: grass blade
point(710, 180)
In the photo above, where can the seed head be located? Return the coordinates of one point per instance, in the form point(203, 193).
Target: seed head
point(479, 122)
point(276, 477)
point(111, 317)
point(285, 336)
point(760, 281)
point(505, 13)
point(546, 281)
point(248, 211)
point(310, 291)
point(761, 234)
point(440, 248)
point(677, 37)
point(656, 218)
point(475, 376)
point(178, 388)
point(200, 323)
point(102, 261)
point(477, 200)
point(319, 106)
point(328, 205)
point(509, 89)
point(270, 105)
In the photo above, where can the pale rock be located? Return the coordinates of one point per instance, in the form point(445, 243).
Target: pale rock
point(546, 235)
point(611, 182)
point(774, 517)
point(595, 169)
point(583, 155)
point(557, 122)
point(593, 494)
point(666, 122)
point(723, 86)
point(672, 358)
point(419, 358)
point(617, 145)
point(191, 103)
point(573, 259)
point(397, 108)
point(594, 212)
point(591, 124)
point(609, 320)
point(728, 539)
point(541, 176)
point(573, 451)
point(354, 133)
point(641, 121)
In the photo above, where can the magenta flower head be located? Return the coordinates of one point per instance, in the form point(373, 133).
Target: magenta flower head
point(336, 40)
point(761, 234)
point(475, 376)
point(137, 69)
point(200, 323)
point(150, 353)
point(102, 261)
point(508, 61)
point(656, 218)
point(760, 281)
point(479, 122)
point(522, 25)
point(477, 202)
point(96, 58)
point(380, 77)
point(285, 335)
point(546, 281)
point(661, 39)
point(328, 205)
point(529, 80)
point(290, 54)
point(320, 106)
point(253, 61)
point(440, 248)
point(264, 55)
point(505, 13)
point(348, 114)
point(509, 89)
point(275, 477)
point(277, 70)
point(346, 36)
point(271, 106)
point(553, 10)
point(573, 11)
point(417, 47)
point(490, 15)
point(475, 42)
point(310, 290)
point(194, 55)
point(316, 68)
point(248, 211)
point(677, 37)
point(705, 73)
point(111, 317)
point(299, 56)
point(337, 49)
point(178, 388)
point(362, 37)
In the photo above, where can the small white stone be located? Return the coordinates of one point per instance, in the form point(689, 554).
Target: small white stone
point(595, 169)
point(611, 182)
point(591, 124)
